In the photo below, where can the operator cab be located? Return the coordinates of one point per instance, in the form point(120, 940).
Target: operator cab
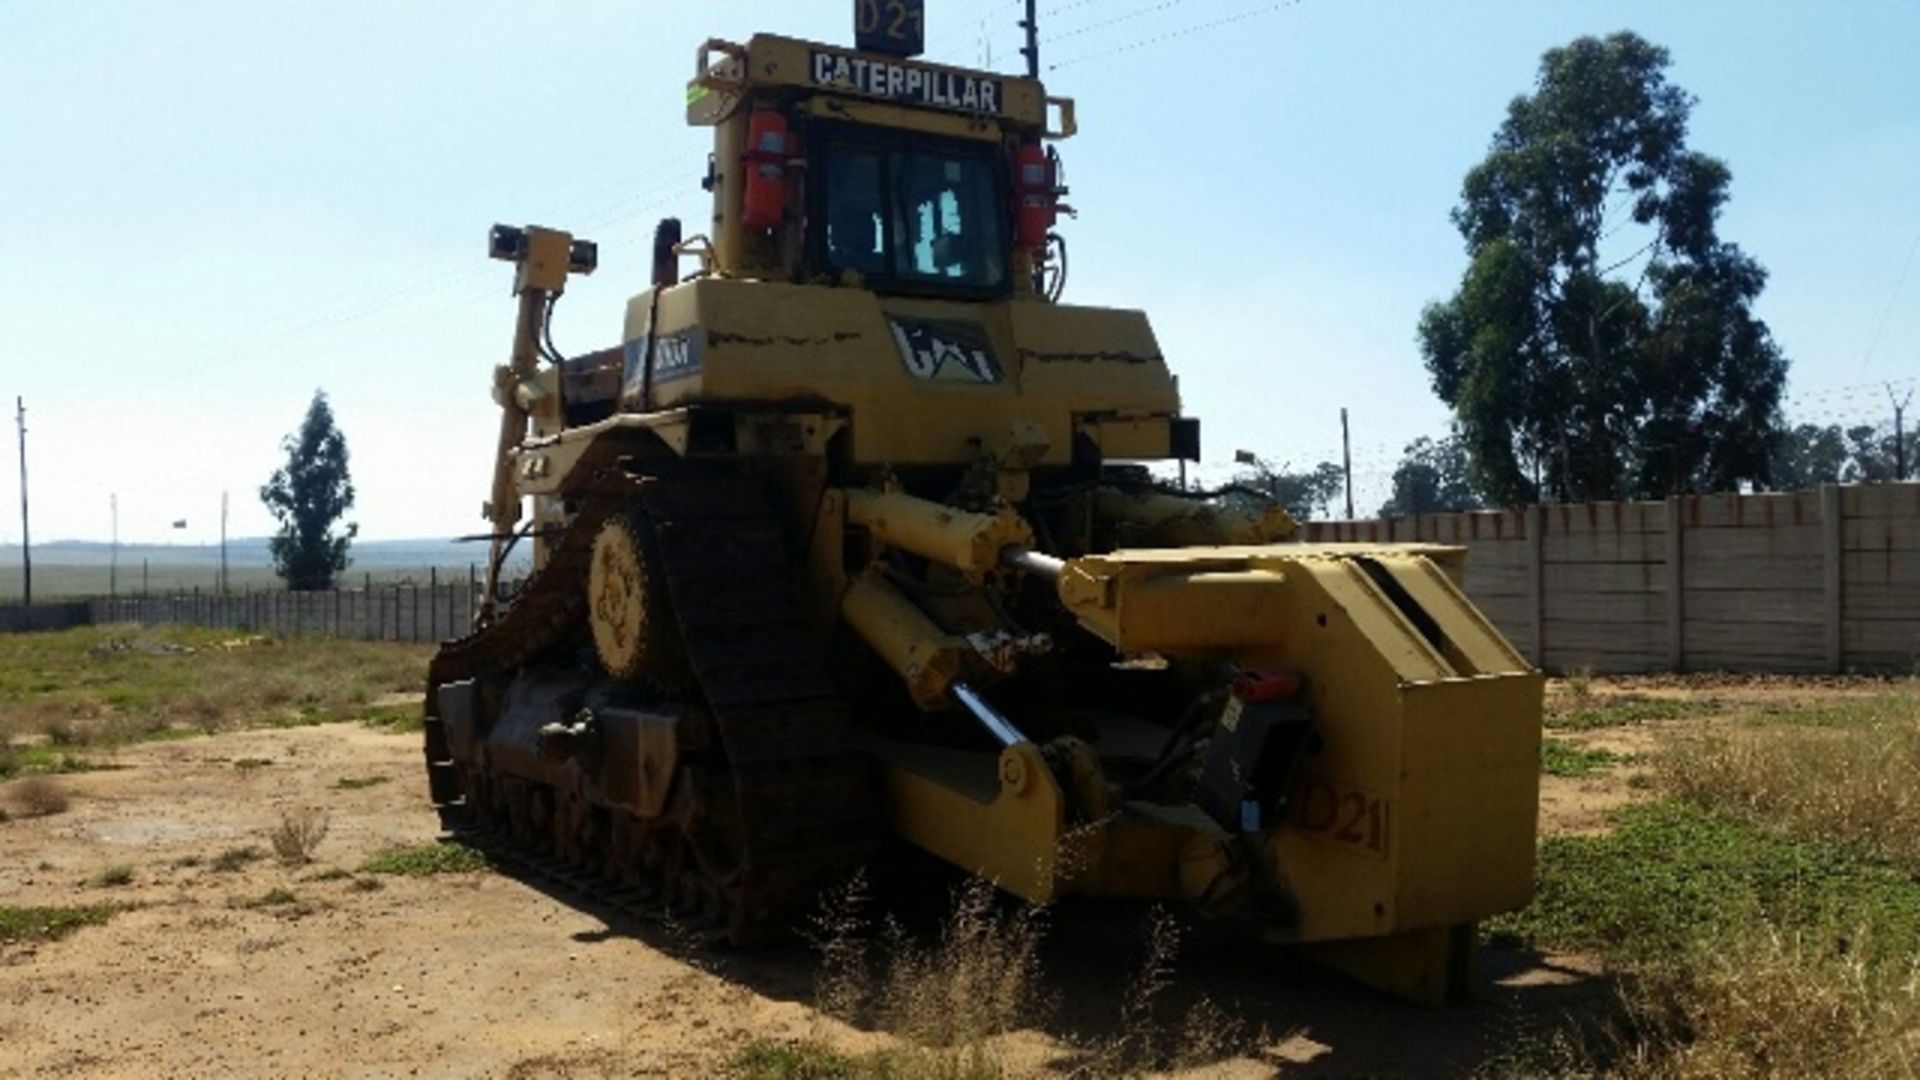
point(868, 170)
point(906, 214)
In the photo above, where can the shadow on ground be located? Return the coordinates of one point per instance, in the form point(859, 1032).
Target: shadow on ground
point(1315, 1023)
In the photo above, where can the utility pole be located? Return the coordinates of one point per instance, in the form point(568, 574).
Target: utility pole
point(26, 537)
point(113, 560)
point(1031, 24)
point(223, 543)
point(1899, 433)
point(1346, 460)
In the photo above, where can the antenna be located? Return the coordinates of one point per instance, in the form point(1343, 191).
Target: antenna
point(1031, 24)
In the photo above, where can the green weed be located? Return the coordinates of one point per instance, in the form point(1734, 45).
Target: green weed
point(49, 923)
point(1673, 880)
point(1559, 757)
point(1588, 713)
point(422, 860)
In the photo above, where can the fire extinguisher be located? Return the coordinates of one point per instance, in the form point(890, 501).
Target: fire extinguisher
point(1035, 196)
point(766, 163)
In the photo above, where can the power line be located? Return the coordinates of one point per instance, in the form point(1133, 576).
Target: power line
point(1176, 34)
point(26, 535)
point(1874, 345)
point(1088, 28)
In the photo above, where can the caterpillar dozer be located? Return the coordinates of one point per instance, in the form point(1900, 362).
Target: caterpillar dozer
point(861, 534)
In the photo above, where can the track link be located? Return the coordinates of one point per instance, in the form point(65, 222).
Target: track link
point(753, 832)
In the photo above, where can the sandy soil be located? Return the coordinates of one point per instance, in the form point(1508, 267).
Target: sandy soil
point(486, 975)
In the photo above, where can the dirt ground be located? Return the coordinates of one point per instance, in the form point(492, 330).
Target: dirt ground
point(486, 975)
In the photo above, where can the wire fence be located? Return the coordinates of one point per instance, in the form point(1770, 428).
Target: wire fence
point(430, 612)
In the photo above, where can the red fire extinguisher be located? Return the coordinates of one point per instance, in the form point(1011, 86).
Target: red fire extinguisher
point(1035, 196)
point(766, 164)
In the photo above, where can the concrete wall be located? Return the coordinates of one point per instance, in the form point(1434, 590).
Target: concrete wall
point(1815, 581)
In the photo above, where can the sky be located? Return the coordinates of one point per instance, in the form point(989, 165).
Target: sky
point(208, 210)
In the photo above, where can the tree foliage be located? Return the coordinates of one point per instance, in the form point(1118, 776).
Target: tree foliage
point(1602, 343)
point(1811, 454)
point(1306, 495)
point(308, 496)
point(1431, 477)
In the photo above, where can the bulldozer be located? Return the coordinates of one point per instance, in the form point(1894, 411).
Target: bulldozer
point(862, 535)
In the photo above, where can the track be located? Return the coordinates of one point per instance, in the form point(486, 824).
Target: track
point(780, 807)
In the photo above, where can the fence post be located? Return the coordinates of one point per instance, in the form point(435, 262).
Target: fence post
point(1832, 549)
point(1533, 520)
point(1676, 585)
point(433, 603)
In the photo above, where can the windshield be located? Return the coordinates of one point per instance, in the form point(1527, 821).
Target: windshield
point(923, 216)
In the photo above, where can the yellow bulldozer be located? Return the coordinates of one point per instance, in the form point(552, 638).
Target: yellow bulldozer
point(863, 534)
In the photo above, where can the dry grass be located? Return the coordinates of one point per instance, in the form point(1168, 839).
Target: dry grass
point(108, 685)
point(1764, 917)
point(112, 877)
point(38, 796)
point(232, 859)
point(1772, 1005)
point(949, 998)
point(1846, 772)
point(298, 835)
point(978, 979)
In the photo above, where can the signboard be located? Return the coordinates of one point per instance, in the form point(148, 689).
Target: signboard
point(908, 84)
point(895, 27)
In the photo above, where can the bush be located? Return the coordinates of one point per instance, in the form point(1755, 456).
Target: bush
point(37, 796)
point(298, 835)
point(113, 877)
point(233, 859)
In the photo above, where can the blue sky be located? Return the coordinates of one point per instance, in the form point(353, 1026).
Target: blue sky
point(210, 209)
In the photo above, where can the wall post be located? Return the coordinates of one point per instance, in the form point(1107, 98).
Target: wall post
point(1676, 584)
point(1536, 522)
point(1832, 548)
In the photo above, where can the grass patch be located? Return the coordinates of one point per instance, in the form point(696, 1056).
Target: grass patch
point(1585, 713)
point(422, 860)
point(1845, 771)
point(1741, 948)
point(112, 877)
point(1675, 880)
point(44, 759)
point(357, 783)
point(1559, 757)
point(49, 923)
point(770, 1059)
point(98, 685)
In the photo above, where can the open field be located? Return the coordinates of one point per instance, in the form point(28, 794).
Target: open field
point(221, 860)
